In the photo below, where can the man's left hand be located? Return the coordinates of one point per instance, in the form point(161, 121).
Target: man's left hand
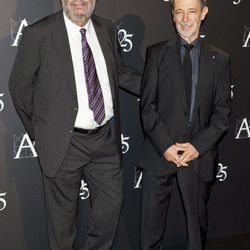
point(189, 153)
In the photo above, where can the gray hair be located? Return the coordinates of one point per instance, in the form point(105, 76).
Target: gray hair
point(203, 3)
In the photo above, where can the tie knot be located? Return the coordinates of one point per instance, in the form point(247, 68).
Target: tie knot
point(83, 31)
point(188, 47)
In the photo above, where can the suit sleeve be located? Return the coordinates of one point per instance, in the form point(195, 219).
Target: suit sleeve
point(129, 78)
point(152, 124)
point(22, 78)
point(220, 117)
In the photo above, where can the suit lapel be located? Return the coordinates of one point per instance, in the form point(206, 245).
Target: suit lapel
point(175, 70)
point(107, 52)
point(205, 72)
point(62, 47)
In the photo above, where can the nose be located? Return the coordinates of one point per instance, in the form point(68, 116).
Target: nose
point(185, 17)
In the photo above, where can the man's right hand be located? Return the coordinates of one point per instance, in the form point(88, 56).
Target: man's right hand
point(172, 154)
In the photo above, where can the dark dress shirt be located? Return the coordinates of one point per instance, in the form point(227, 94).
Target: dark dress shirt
point(195, 58)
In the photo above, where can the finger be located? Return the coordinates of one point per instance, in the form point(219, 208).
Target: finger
point(175, 157)
point(181, 145)
point(184, 156)
point(189, 157)
point(185, 161)
point(183, 164)
point(184, 144)
point(172, 159)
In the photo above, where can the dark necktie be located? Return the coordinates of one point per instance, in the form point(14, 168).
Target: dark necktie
point(96, 102)
point(187, 70)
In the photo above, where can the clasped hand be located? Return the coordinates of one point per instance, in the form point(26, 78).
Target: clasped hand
point(181, 154)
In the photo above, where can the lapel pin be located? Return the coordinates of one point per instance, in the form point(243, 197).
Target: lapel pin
point(213, 57)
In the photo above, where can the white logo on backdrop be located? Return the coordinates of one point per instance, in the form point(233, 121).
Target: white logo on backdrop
point(125, 144)
point(232, 90)
point(1, 102)
point(23, 147)
point(246, 37)
point(138, 178)
point(125, 39)
point(222, 173)
point(84, 191)
point(17, 30)
point(237, 2)
point(242, 129)
point(3, 202)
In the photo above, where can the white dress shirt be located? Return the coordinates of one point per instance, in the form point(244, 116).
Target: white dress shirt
point(85, 118)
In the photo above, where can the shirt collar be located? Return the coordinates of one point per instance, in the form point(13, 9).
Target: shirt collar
point(196, 43)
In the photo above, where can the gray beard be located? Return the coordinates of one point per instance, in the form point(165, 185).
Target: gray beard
point(73, 16)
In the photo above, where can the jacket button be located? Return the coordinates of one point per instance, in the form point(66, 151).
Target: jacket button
point(70, 131)
point(75, 109)
point(184, 137)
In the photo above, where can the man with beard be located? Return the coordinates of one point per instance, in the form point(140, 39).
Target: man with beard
point(185, 108)
point(64, 85)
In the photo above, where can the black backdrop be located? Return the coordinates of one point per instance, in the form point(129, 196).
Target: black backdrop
point(139, 23)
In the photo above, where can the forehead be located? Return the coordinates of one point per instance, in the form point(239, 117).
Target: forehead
point(186, 4)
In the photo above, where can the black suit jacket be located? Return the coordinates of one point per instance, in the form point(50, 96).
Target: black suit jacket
point(43, 89)
point(164, 111)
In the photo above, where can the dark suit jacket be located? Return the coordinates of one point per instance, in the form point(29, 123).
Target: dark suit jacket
point(164, 111)
point(43, 90)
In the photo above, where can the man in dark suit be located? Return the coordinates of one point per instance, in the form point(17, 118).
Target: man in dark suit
point(64, 85)
point(185, 108)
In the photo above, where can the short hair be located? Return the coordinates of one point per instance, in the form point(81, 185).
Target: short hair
point(203, 3)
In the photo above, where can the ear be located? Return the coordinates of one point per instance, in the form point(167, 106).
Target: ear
point(204, 13)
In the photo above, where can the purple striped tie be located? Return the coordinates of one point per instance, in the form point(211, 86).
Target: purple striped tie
point(96, 102)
